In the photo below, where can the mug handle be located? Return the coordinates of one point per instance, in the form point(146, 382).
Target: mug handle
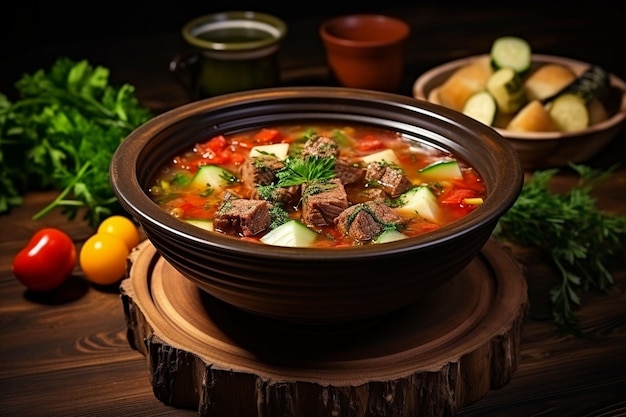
point(185, 69)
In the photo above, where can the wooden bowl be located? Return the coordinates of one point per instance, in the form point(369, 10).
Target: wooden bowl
point(544, 149)
point(314, 287)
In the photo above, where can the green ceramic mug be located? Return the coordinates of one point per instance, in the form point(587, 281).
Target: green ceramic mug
point(233, 51)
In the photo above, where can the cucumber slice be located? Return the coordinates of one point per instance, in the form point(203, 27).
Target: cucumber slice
point(422, 201)
point(292, 233)
point(481, 106)
point(442, 170)
point(279, 150)
point(511, 52)
point(212, 176)
point(389, 236)
point(387, 156)
point(507, 88)
point(203, 224)
point(569, 112)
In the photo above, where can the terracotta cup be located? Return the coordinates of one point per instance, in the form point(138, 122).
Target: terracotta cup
point(366, 50)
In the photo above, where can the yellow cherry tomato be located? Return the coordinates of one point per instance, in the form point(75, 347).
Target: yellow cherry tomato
point(122, 227)
point(103, 258)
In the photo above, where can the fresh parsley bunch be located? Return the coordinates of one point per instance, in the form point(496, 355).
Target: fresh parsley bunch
point(61, 134)
point(579, 239)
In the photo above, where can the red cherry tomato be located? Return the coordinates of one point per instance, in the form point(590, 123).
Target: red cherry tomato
point(46, 261)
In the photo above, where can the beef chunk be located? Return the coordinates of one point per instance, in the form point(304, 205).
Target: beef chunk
point(349, 173)
point(368, 194)
point(243, 217)
point(364, 221)
point(260, 170)
point(391, 178)
point(322, 201)
point(320, 146)
point(288, 196)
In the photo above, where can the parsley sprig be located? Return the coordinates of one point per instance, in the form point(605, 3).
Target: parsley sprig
point(579, 239)
point(300, 170)
point(61, 134)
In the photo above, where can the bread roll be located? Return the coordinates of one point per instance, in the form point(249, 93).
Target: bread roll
point(547, 80)
point(464, 82)
point(533, 117)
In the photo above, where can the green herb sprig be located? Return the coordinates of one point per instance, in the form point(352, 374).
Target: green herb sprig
point(300, 170)
point(61, 134)
point(579, 239)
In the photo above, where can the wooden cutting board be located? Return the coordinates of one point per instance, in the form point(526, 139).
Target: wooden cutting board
point(429, 359)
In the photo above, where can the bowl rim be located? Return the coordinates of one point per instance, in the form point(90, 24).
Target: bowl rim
point(420, 93)
point(135, 200)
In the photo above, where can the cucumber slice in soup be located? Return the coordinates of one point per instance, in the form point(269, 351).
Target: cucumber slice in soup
point(442, 170)
point(389, 236)
point(292, 233)
point(422, 201)
point(511, 52)
point(481, 106)
point(212, 176)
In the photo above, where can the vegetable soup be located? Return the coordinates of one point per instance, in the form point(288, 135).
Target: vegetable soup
point(317, 185)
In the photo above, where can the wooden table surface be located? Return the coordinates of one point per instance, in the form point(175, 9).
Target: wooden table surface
point(67, 354)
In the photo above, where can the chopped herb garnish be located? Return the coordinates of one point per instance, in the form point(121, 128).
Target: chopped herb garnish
point(317, 187)
point(181, 179)
point(278, 215)
point(229, 177)
point(365, 208)
point(340, 137)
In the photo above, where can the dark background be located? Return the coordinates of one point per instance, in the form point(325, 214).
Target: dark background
point(34, 34)
point(34, 22)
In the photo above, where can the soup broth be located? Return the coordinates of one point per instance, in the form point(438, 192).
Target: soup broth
point(317, 186)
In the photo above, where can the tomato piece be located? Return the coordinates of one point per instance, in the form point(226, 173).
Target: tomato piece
point(216, 144)
point(457, 208)
point(122, 227)
point(192, 206)
point(471, 181)
point(267, 135)
point(457, 196)
point(211, 151)
point(103, 258)
point(46, 261)
point(195, 211)
point(369, 143)
point(238, 158)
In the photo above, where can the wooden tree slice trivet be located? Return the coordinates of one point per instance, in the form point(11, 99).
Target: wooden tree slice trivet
point(429, 359)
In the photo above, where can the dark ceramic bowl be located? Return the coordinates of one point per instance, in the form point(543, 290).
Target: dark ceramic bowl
point(307, 286)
